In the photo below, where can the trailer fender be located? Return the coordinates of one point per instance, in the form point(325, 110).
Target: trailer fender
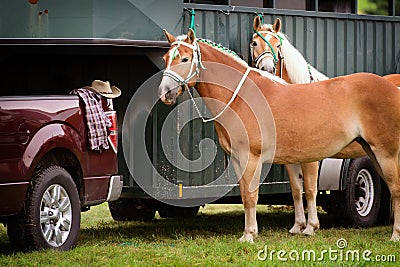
point(333, 174)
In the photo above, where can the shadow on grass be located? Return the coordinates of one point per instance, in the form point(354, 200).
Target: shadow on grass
point(204, 226)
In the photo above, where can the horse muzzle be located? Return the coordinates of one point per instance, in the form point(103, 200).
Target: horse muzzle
point(167, 99)
point(168, 93)
point(265, 65)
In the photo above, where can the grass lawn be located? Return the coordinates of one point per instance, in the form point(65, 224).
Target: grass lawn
point(211, 239)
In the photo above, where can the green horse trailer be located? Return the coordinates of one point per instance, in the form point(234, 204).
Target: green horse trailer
point(54, 46)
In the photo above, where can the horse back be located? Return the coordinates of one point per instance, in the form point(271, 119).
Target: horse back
point(322, 118)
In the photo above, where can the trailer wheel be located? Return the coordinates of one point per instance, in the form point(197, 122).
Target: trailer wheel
point(362, 197)
point(384, 217)
point(127, 209)
point(169, 211)
point(51, 215)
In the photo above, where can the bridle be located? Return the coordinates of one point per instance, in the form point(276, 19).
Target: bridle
point(268, 53)
point(272, 53)
point(195, 71)
point(194, 67)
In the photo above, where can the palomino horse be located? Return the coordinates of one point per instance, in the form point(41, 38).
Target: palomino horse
point(272, 52)
point(352, 106)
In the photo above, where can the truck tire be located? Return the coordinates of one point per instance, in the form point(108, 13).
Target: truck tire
point(128, 209)
point(51, 215)
point(359, 204)
point(169, 211)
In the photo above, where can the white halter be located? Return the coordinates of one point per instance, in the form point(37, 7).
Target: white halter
point(196, 60)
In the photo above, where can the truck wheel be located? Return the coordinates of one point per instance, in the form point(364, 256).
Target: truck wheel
point(51, 215)
point(169, 211)
point(362, 198)
point(128, 209)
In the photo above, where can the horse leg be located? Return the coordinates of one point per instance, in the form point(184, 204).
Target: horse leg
point(390, 169)
point(310, 176)
point(249, 183)
point(294, 172)
point(396, 210)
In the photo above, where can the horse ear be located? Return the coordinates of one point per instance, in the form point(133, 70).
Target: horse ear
point(191, 36)
point(277, 25)
point(257, 23)
point(170, 37)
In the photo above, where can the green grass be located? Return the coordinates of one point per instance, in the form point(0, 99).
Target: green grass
point(210, 239)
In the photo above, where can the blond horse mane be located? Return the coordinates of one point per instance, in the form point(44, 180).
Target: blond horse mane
point(294, 62)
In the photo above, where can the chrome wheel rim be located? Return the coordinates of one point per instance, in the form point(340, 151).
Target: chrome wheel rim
point(364, 192)
point(55, 215)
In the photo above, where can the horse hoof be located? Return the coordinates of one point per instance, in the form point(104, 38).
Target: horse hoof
point(246, 238)
point(395, 238)
point(296, 230)
point(308, 231)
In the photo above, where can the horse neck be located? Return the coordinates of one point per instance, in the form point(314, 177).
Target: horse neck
point(216, 78)
point(295, 67)
point(211, 54)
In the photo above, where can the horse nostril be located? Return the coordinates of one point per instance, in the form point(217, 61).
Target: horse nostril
point(263, 68)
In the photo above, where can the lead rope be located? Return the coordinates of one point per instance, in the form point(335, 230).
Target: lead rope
point(192, 23)
point(281, 54)
point(184, 82)
point(235, 93)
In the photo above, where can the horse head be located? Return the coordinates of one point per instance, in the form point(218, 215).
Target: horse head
point(181, 67)
point(265, 45)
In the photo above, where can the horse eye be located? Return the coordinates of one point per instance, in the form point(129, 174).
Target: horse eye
point(185, 59)
point(254, 43)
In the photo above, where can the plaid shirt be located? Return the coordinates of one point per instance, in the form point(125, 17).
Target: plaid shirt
point(96, 120)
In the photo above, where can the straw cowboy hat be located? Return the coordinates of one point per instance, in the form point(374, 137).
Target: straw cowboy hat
point(104, 89)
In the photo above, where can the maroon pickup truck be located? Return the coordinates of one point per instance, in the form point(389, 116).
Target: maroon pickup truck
point(48, 174)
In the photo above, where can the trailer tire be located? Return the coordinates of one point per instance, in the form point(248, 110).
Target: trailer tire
point(359, 204)
point(51, 214)
point(385, 214)
point(128, 209)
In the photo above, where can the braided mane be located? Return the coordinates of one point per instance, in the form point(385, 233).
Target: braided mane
point(235, 56)
point(218, 46)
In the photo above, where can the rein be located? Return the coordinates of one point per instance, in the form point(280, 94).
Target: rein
point(196, 60)
point(235, 93)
